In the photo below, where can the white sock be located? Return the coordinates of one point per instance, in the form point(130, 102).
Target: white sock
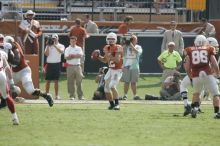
point(185, 101)
point(14, 116)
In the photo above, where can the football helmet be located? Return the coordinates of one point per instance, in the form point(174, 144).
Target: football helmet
point(9, 39)
point(214, 43)
point(111, 38)
point(200, 40)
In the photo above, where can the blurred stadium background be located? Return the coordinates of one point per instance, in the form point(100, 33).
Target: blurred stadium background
point(56, 16)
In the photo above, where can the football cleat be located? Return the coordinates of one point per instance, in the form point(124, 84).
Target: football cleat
point(110, 107)
point(125, 97)
point(217, 116)
point(15, 121)
point(49, 100)
point(194, 112)
point(187, 110)
point(137, 98)
point(117, 107)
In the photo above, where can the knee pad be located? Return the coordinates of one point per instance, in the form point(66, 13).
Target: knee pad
point(184, 95)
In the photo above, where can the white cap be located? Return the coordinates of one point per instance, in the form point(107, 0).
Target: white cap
point(29, 12)
point(171, 44)
point(55, 36)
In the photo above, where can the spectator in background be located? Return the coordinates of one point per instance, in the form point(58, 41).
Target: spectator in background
point(80, 33)
point(72, 54)
point(99, 94)
point(208, 30)
point(90, 26)
point(53, 52)
point(173, 35)
point(30, 30)
point(132, 52)
point(124, 27)
point(158, 5)
point(169, 61)
point(170, 89)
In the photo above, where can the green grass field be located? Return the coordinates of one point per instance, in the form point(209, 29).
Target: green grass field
point(146, 84)
point(93, 125)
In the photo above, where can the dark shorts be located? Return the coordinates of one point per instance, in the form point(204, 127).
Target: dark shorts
point(53, 71)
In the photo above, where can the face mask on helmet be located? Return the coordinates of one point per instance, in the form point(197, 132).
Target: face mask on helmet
point(111, 38)
point(200, 40)
point(9, 39)
point(214, 43)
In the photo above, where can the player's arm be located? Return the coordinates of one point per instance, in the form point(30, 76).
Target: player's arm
point(187, 66)
point(8, 71)
point(214, 65)
point(17, 57)
point(104, 58)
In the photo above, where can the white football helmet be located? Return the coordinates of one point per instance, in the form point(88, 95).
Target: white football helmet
point(214, 43)
point(200, 40)
point(111, 38)
point(9, 39)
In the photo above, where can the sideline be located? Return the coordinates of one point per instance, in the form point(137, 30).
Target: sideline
point(147, 102)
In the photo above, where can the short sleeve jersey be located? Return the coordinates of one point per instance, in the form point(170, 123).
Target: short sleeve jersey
point(112, 50)
point(200, 59)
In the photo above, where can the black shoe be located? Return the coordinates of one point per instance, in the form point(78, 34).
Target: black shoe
point(194, 112)
point(217, 116)
point(187, 110)
point(49, 100)
point(136, 98)
point(117, 107)
point(111, 107)
point(3, 103)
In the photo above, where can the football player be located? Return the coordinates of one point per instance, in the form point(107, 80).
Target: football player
point(113, 55)
point(6, 71)
point(5, 49)
point(186, 82)
point(200, 61)
point(22, 72)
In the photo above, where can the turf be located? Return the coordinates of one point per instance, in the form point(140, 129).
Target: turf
point(147, 84)
point(93, 125)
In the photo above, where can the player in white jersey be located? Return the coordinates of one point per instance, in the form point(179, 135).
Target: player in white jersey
point(5, 72)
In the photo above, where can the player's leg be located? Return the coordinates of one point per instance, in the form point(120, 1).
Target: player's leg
point(5, 94)
point(198, 84)
point(115, 78)
point(27, 83)
point(212, 86)
point(107, 90)
point(185, 83)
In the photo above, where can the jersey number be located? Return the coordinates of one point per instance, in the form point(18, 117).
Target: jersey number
point(199, 57)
